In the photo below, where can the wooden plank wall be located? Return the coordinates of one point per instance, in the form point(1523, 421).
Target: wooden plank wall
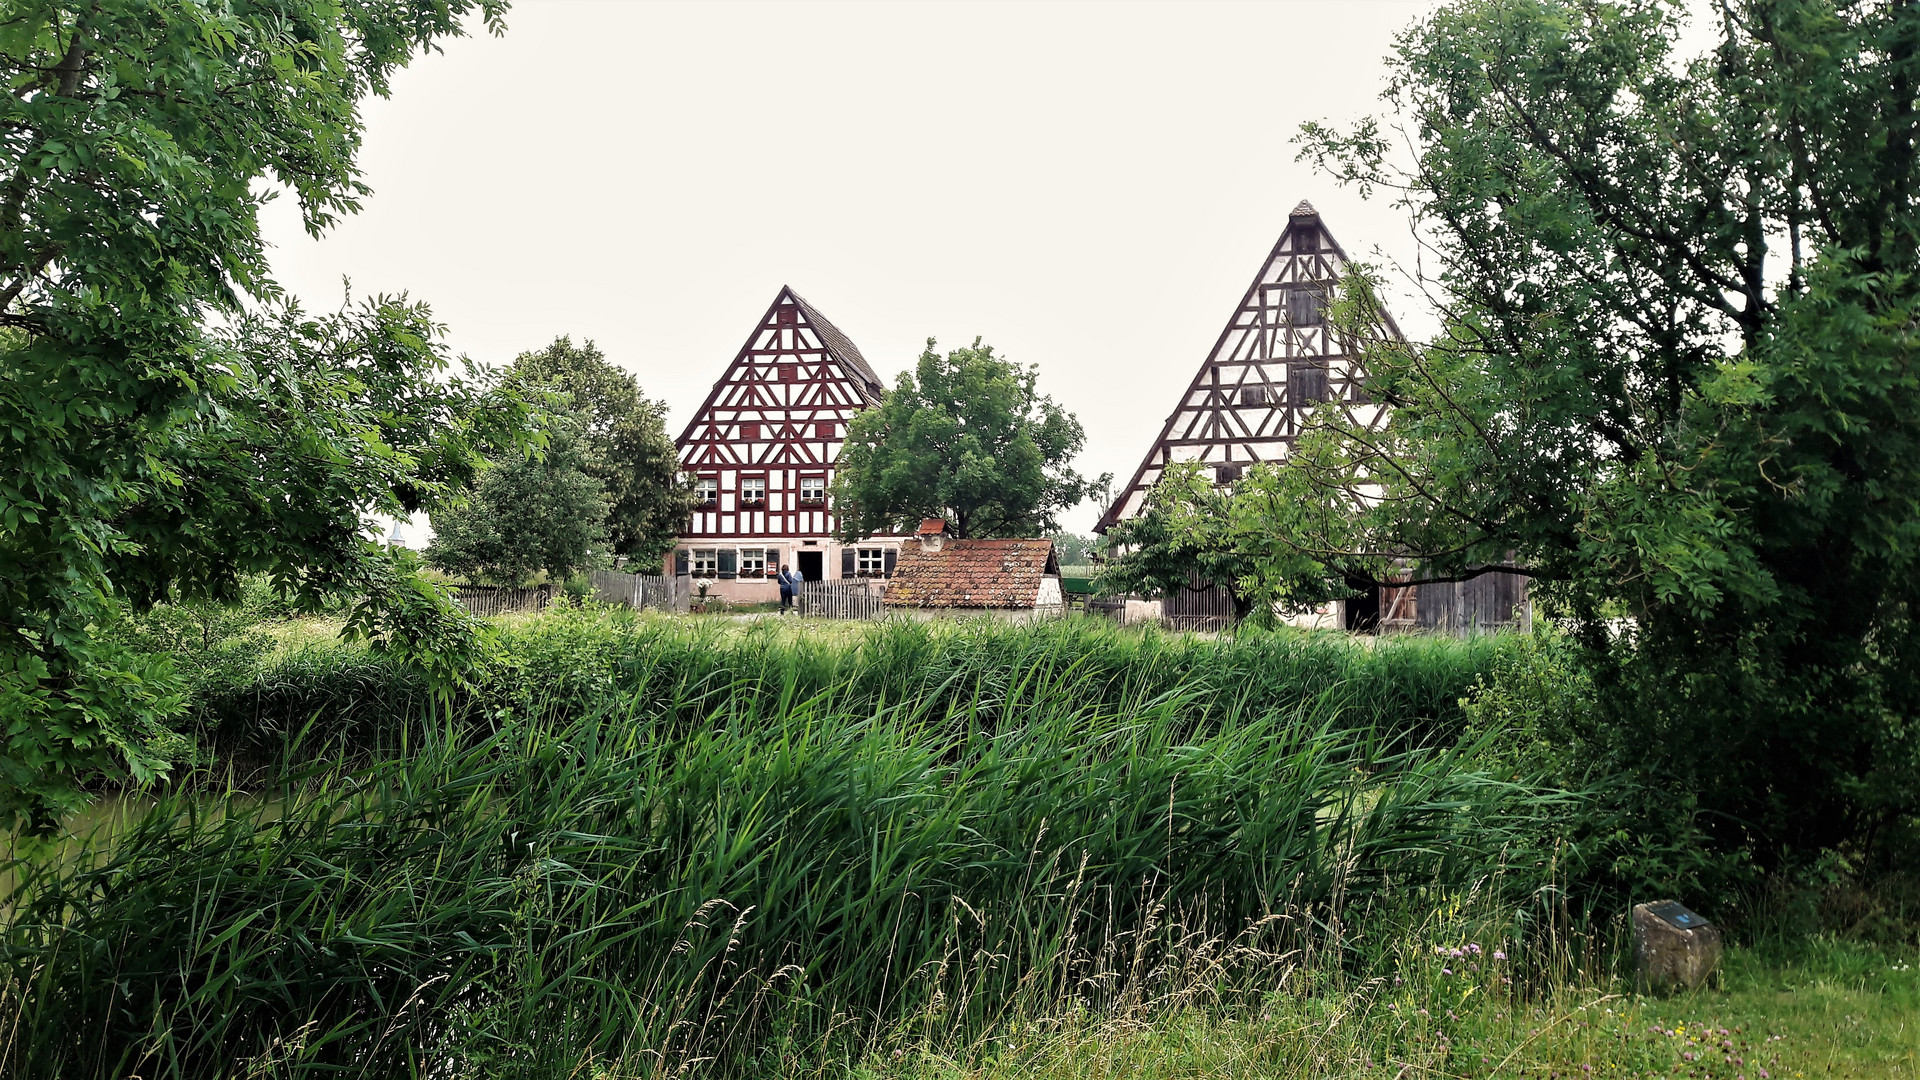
point(1488, 602)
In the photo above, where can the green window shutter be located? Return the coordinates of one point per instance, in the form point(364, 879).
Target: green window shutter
point(729, 562)
point(680, 563)
point(846, 562)
point(892, 556)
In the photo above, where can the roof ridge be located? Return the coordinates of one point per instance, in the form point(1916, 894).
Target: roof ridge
point(836, 341)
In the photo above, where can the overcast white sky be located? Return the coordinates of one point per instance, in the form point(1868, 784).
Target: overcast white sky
point(1088, 186)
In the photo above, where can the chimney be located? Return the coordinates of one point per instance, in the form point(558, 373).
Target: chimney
point(932, 534)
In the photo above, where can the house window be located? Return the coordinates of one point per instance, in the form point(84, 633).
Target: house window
point(753, 490)
point(749, 431)
point(1227, 474)
point(706, 562)
point(707, 488)
point(1309, 383)
point(872, 562)
point(788, 315)
point(813, 489)
point(824, 430)
point(1253, 395)
point(1305, 307)
point(753, 562)
point(789, 373)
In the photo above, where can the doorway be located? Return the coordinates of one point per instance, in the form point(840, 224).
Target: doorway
point(1363, 611)
point(812, 565)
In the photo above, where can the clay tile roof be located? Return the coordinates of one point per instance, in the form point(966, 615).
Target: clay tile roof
point(972, 574)
point(932, 527)
point(840, 345)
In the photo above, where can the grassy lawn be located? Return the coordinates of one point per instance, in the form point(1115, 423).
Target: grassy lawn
point(1824, 1010)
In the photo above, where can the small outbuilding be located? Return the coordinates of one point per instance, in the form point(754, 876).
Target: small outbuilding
point(940, 576)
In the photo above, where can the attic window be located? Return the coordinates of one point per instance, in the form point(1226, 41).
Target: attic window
point(787, 315)
point(789, 373)
point(749, 431)
point(1253, 395)
point(824, 430)
point(1305, 307)
point(1309, 383)
point(1227, 474)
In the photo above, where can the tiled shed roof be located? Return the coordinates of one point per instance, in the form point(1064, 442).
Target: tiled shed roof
point(972, 574)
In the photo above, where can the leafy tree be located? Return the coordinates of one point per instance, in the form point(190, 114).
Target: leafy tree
point(528, 513)
point(963, 437)
point(1678, 383)
point(1189, 527)
point(139, 139)
point(1072, 548)
point(623, 444)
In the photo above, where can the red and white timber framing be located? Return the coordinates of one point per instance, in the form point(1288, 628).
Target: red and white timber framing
point(763, 446)
point(1276, 360)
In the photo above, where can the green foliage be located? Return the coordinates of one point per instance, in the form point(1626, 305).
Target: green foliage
point(623, 444)
point(1190, 528)
point(1676, 383)
point(778, 880)
point(675, 672)
point(528, 513)
point(1072, 549)
point(964, 437)
point(142, 137)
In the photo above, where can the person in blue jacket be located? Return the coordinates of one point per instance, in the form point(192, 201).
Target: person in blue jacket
point(789, 584)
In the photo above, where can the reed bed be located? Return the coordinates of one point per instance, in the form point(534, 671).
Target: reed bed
point(328, 699)
point(664, 852)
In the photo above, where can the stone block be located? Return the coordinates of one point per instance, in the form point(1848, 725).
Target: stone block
point(1673, 948)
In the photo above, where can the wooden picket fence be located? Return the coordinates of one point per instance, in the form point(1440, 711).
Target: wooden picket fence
point(856, 599)
point(1199, 605)
point(489, 600)
point(636, 590)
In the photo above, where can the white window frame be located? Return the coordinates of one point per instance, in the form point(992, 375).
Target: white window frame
point(753, 562)
point(707, 489)
point(813, 490)
point(705, 562)
point(870, 562)
point(748, 497)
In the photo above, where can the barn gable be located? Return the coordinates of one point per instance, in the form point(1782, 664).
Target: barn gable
point(763, 444)
point(1277, 359)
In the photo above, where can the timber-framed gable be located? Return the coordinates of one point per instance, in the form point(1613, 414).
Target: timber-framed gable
point(1277, 359)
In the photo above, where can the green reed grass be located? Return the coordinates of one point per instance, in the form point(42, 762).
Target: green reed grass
point(753, 853)
point(347, 700)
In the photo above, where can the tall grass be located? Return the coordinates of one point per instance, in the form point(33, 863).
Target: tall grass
point(340, 699)
point(750, 855)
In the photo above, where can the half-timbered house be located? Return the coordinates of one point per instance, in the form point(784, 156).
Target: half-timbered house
point(1276, 361)
point(761, 452)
